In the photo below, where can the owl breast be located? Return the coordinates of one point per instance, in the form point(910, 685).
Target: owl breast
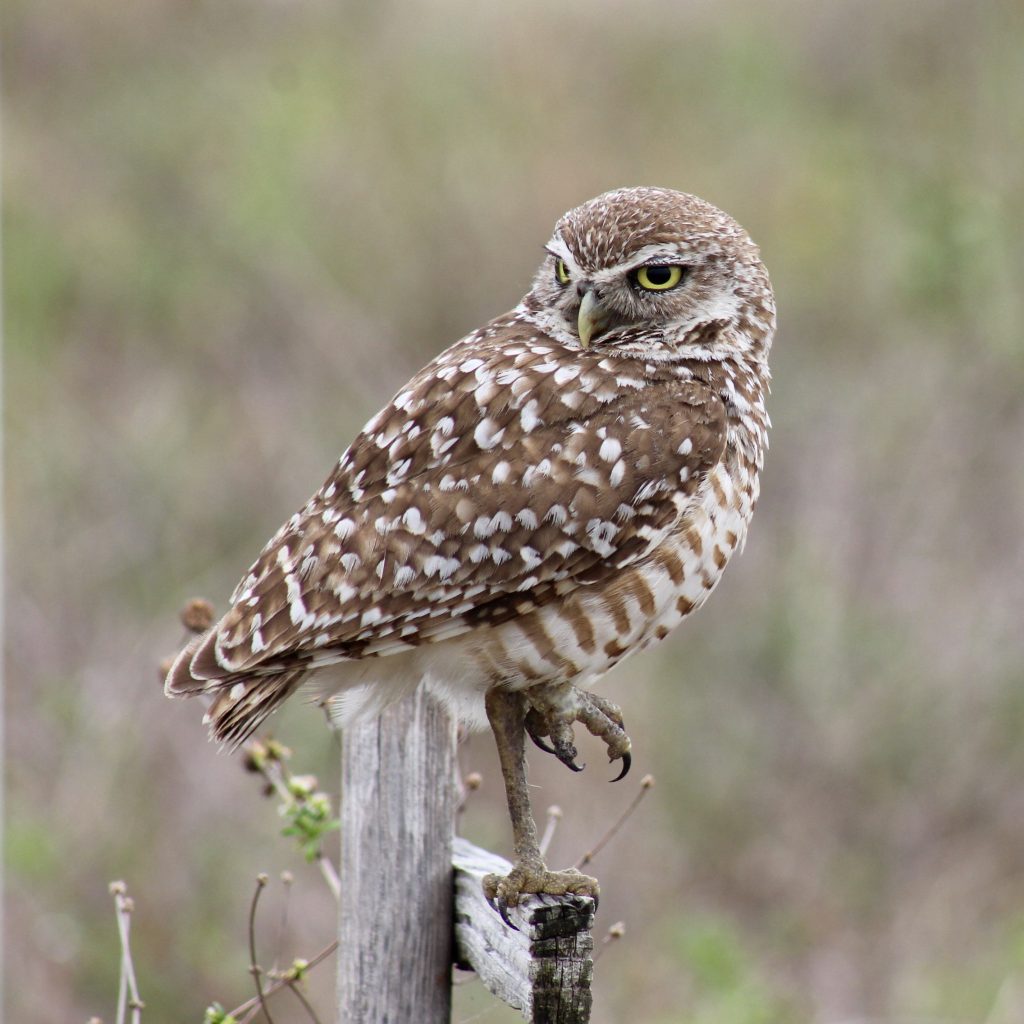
point(588, 630)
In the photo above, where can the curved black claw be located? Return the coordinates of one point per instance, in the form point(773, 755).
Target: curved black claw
point(568, 758)
point(566, 753)
point(502, 909)
point(540, 743)
point(536, 730)
point(627, 763)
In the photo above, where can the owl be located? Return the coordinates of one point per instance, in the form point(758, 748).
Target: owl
point(557, 490)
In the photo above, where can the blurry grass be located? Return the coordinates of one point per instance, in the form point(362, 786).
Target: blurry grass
point(725, 986)
point(231, 231)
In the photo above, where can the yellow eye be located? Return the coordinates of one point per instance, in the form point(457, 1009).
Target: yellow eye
point(561, 272)
point(659, 278)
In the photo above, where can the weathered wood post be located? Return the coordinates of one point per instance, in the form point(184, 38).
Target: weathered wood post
point(411, 903)
point(398, 814)
point(543, 966)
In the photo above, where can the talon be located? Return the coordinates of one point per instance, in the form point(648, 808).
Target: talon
point(627, 763)
point(568, 758)
point(541, 743)
point(537, 730)
point(502, 909)
point(566, 753)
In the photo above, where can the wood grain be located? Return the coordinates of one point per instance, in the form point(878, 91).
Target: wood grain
point(545, 968)
point(398, 810)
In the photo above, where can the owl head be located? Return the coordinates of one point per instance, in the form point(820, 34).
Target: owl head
point(655, 270)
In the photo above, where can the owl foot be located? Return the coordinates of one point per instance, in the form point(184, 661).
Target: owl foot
point(553, 712)
point(504, 891)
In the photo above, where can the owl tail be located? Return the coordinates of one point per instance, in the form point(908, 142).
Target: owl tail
point(239, 703)
point(239, 708)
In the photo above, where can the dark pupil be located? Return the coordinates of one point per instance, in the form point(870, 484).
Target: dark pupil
point(659, 275)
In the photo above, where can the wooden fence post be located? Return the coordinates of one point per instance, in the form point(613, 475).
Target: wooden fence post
point(543, 966)
point(401, 904)
point(397, 819)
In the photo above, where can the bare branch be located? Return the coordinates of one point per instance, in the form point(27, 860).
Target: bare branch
point(330, 873)
point(614, 933)
point(293, 986)
point(254, 968)
point(554, 817)
point(252, 1006)
point(128, 990)
point(645, 784)
point(287, 880)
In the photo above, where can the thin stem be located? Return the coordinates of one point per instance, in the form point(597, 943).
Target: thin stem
point(330, 873)
point(554, 817)
point(254, 968)
point(614, 933)
point(296, 991)
point(128, 989)
point(282, 925)
point(252, 1006)
point(645, 784)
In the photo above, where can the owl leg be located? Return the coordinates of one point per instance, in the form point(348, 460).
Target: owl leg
point(554, 709)
point(506, 711)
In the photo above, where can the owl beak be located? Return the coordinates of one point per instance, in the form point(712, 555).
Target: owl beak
point(591, 319)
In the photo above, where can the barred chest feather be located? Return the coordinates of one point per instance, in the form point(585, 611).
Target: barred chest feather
point(588, 631)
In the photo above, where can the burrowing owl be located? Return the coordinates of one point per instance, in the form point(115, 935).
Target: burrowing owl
point(555, 491)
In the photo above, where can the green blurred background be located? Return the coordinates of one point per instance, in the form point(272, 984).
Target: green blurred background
point(232, 230)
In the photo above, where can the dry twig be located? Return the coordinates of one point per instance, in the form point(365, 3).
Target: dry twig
point(128, 990)
point(252, 1006)
point(254, 968)
point(614, 933)
point(554, 817)
point(645, 784)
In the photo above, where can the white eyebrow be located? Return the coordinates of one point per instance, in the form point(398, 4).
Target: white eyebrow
point(657, 252)
point(557, 247)
point(667, 252)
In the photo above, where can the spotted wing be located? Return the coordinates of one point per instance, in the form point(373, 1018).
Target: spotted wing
point(507, 473)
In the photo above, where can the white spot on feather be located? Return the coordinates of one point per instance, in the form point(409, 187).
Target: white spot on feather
point(370, 616)
point(530, 556)
point(556, 514)
point(413, 521)
point(487, 434)
point(528, 418)
point(404, 575)
point(527, 518)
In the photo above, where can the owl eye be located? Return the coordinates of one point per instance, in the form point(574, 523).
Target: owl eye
point(659, 278)
point(561, 272)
